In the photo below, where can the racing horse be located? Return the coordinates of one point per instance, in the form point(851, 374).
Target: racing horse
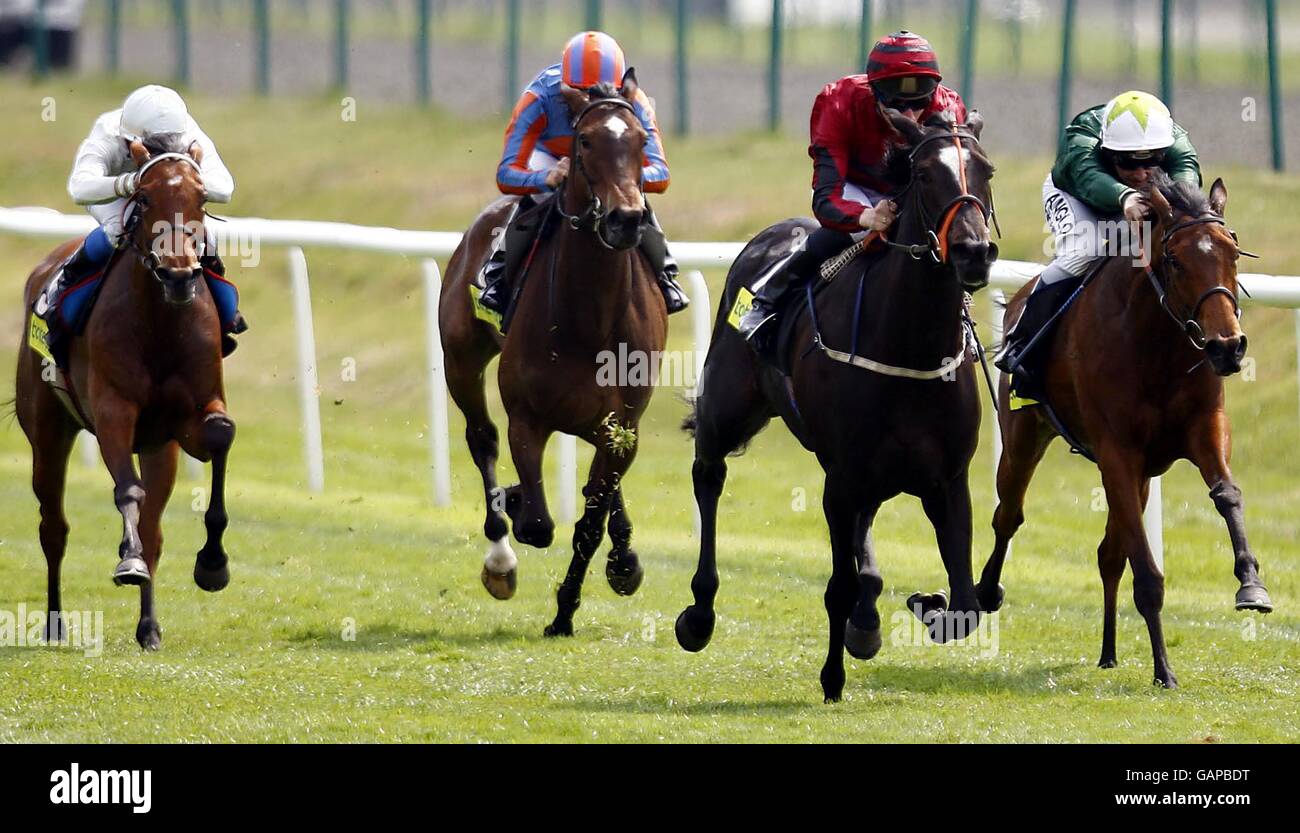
point(145, 377)
point(1158, 333)
point(898, 412)
point(587, 291)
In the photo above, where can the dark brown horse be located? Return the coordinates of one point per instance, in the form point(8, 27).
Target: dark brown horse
point(588, 291)
point(145, 376)
point(1135, 376)
point(907, 423)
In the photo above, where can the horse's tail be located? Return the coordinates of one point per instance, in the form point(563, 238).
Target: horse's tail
point(689, 422)
point(9, 409)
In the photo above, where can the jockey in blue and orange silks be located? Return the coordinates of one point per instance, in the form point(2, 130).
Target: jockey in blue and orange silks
point(535, 162)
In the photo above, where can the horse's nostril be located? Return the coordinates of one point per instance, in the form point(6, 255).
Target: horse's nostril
point(1241, 347)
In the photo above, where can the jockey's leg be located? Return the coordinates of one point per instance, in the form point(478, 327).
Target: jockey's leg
point(512, 245)
point(654, 245)
point(98, 246)
point(224, 294)
point(496, 291)
point(758, 326)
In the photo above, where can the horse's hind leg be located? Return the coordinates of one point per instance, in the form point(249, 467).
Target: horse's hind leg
point(51, 444)
point(721, 424)
point(158, 469)
point(217, 434)
point(623, 570)
point(1027, 438)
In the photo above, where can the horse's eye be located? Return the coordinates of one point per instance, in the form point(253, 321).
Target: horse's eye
point(584, 142)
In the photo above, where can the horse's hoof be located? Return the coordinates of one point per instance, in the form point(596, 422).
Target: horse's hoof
point(535, 532)
point(923, 605)
point(1107, 662)
point(1254, 597)
point(211, 579)
point(149, 635)
point(860, 643)
point(832, 685)
point(624, 573)
point(1166, 680)
point(949, 625)
point(694, 628)
point(990, 600)
point(56, 632)
point(558, 628)
point(131, 570)
point(501, 586)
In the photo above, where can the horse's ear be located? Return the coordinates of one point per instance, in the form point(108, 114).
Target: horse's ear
point(196, 152)
point(911, 131)
point(975, 123)
point(139, 153)
point(630, 85)
point(1218, 196)
point(575, 98)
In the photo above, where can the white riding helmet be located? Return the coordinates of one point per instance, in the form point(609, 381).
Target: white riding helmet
point(151, 111)
point(1136, 121)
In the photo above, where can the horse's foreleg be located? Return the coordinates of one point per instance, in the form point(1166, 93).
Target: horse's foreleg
point(1211, 446)
point(217, 434)
point(862, 636)
point(115, 420)
point(1125, 488)
point(842, 520)
point(50, 448)
point(526, 503)
point(694, 626)
point(623, 570)
point(158, 468)
point(1026, 440)
point(606, 472)
point(949, 510)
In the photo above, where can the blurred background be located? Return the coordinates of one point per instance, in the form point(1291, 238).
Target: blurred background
point(715, 66)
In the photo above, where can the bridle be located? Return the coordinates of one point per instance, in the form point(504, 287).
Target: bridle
point(936, 242)
point(148, 256)
point(594, 215)
point(1194, 331)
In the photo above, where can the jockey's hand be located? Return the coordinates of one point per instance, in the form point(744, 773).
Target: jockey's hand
point(558, 174)
point(1136, 207)
point(125, 185)
point(879, 218)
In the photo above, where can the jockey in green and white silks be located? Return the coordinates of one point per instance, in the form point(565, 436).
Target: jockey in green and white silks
point(104, 178)
point(1107, 156)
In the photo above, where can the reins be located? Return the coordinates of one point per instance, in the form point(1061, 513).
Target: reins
point(594, 215)
point(1194, 331)
point(149, 258)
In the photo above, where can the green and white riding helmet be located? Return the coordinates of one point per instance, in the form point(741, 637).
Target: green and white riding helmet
point(1137, 125)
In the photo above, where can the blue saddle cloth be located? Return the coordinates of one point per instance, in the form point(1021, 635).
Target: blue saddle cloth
point(63, 311)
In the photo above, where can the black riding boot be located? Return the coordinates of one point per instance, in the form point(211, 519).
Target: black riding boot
point(759, 324)
point(654, 245)
point(1042, 304)
point(226, 296)
point(508, 252)
point(79, 266)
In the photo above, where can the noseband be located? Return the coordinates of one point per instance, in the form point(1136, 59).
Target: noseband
point(1194, 331)
point(936, 243)
point(148, 256)
point(594, 215)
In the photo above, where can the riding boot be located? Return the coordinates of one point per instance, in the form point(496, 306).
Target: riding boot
point(654, 245)
point(226, 296)
point(1041, 305)
point(759, 324)
point(88, 259)
point(509, 248)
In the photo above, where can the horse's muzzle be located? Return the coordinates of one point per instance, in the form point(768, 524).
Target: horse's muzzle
point(621, 228)
point(971, 261)
point(180, 286)
point(1225, 354)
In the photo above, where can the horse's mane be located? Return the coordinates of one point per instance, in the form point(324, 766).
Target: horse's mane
point(898, 161)
point(166, 143)
point(1183, 197)
point(603, 90)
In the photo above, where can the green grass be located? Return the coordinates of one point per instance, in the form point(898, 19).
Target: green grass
point(436, 659)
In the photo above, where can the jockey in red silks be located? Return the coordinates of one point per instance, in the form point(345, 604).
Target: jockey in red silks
point(850, 140)
point(535, 163)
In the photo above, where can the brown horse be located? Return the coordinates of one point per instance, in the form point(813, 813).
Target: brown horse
point(144, 377)
point(588, 291)
point(897, 413)
point(1135, 375)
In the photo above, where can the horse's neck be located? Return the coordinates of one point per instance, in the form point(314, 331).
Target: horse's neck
point(589, 286)
point(1135, 322)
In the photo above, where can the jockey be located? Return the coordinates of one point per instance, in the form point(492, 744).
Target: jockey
point(538, 146)
point(104, 178)
point(850, 139)
point(1100, 178)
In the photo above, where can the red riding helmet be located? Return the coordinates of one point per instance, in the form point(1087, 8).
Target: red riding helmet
point(903, 66)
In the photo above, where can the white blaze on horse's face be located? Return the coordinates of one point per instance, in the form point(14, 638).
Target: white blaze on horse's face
point(616, 125)
point(948, 155)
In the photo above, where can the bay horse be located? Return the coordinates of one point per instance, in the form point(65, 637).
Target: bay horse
point(909, 424)
point(588, 291)
point(1135, 376)
point(145, 377)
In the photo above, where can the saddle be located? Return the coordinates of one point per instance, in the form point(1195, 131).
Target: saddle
point(533, 223)
point(60, 312)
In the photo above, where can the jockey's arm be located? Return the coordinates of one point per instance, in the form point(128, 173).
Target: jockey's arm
point(830, 157)
point(527, 124)
point(1181, 161)
point(217, 180)
point(654, 172)
point(92, 181)
point(1079, 171)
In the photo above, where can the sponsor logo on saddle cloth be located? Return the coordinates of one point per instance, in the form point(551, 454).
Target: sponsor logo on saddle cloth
point(481, 312)
point(38, 337)
point(744, 303)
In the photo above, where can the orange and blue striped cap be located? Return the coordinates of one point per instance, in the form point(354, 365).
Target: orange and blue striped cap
point(592, 58)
